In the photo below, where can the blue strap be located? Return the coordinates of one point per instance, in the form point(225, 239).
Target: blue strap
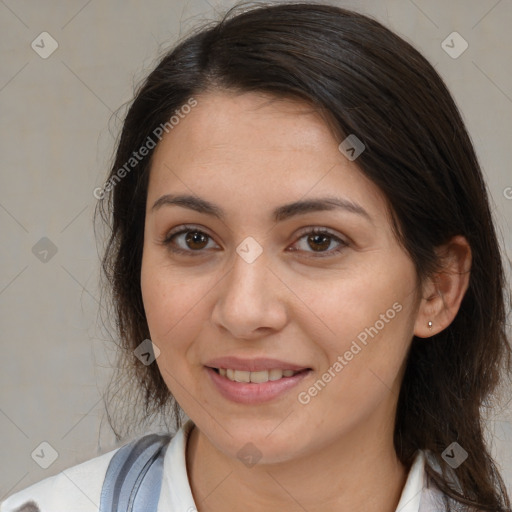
point(134, 476)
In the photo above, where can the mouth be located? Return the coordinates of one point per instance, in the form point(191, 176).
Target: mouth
point(258, 377)
point(255, 387)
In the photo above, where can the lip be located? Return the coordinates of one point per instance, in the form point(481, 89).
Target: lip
point(251, 393)
point(253, 365)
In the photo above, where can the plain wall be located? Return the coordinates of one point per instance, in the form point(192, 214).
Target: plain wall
point(57, 135)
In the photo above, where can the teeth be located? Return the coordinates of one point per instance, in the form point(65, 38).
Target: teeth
point(256, 377)
point(275, 374)
point(241, 376)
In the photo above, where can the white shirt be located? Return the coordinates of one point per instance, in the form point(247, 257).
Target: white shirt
point(78, 488)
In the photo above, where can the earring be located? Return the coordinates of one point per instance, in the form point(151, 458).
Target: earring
point(430, 325)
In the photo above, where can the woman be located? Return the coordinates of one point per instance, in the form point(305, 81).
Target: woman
point(301, 228)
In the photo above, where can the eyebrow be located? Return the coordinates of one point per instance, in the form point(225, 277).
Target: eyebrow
point(279, 214)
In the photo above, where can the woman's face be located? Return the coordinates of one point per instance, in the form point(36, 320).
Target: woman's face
point(252, 282)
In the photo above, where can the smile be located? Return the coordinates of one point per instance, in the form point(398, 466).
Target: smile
point(256, 377)
point(251, 388)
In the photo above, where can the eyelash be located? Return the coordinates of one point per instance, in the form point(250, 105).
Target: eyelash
point(167, 241)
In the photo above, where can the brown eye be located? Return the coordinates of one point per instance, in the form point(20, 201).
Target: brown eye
point(196, 240)
point(189, 240)
point(318, 240)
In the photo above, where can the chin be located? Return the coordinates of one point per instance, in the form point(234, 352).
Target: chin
point(263, 443)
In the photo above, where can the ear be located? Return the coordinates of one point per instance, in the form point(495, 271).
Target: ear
point(444, 291)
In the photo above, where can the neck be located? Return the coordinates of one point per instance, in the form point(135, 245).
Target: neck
point(359, 472)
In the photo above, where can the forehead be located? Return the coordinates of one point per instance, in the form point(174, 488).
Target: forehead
point(264, 149)
point(227, 122)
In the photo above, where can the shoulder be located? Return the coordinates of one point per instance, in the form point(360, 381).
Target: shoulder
point(77, 488)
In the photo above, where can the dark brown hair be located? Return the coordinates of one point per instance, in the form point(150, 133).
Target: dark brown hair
point(371, 83)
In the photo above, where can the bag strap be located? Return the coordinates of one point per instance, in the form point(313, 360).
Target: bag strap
point(134, 476)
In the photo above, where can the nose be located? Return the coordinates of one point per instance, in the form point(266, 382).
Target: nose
point(251, 300)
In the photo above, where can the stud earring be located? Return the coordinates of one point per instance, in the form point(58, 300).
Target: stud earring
point(430, 325)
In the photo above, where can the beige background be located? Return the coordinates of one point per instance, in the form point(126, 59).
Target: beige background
point(57, 135)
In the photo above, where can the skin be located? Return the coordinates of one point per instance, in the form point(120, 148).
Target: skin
point(249, 154)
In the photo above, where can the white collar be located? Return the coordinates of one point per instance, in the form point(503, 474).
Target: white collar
point(176, 493)
point(414, 485)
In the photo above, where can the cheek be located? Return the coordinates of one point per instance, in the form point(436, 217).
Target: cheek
point(340, 310)
point(170, 313)
point(367, 320)
point(174, 303)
